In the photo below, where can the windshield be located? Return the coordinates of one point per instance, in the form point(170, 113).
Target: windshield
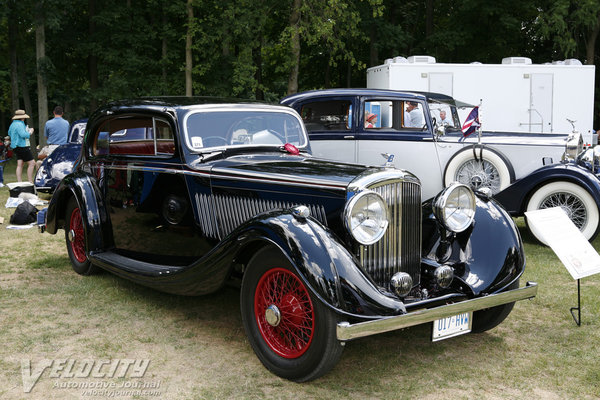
point(444, 115)
point(207, 129)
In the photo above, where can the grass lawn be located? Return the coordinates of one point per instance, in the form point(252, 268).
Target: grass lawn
point(197, 347)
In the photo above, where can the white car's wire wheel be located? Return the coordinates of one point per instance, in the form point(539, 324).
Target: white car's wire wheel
point(479, 168)
point(577, 202)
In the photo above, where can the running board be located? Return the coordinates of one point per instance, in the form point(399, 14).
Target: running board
point(112, 261)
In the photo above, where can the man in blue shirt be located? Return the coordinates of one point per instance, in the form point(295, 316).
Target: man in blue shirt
point(57, 129)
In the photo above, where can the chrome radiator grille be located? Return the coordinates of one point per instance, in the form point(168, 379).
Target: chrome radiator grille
point(221, 214)
point(400, 248)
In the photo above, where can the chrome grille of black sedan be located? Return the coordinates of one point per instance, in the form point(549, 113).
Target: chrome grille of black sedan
point(400, 247)
point(229, 212)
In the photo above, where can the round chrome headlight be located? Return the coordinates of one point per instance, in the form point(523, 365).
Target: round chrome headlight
point(454, 207)
point(366, 217)
point(573, 147)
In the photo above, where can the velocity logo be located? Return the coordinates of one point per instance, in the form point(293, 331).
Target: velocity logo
point(86, 368)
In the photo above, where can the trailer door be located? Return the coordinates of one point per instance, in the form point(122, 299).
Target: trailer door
point(540, 112)
point(441, 82)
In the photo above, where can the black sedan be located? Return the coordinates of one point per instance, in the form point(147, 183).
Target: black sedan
point(186, 195)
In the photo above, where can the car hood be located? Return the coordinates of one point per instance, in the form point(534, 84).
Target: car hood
point(288, 169)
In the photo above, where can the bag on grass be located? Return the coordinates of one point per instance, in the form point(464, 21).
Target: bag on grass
point(25, 214)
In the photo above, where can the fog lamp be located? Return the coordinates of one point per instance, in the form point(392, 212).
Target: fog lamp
point(444, 275)
point(401, 283)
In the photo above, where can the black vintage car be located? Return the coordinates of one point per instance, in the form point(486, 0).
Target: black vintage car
point(184, 196)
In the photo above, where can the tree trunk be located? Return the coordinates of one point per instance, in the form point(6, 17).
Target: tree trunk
point(188, 50)
point(295, 44)
point(257, 59)
point(92, 58)
point(24, 85)
point(591, 42)
point(42, 89)
point(349, 74)
point(373, 52)
point(428, 18)
point(12, 50)
point(164, 52)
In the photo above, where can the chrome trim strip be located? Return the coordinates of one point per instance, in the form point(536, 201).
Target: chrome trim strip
point(253, 177)
point(231, 211)
point(347, 331)
point(280, 177)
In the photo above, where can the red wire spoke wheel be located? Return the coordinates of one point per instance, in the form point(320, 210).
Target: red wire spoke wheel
point(77, 241)
point(284, 313)
point(292, 331)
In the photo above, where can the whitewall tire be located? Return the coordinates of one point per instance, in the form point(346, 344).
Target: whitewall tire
point(492, 170)
point(577, 202)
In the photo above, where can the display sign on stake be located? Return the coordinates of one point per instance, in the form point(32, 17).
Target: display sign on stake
point(553, 227)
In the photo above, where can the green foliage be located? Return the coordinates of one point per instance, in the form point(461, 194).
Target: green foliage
point(243, 48)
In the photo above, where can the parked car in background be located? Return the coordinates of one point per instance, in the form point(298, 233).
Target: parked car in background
point(60, 162)
point(523, 171)
point(324, 251)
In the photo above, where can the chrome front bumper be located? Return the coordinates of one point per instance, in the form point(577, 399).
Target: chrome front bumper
point(347, 331)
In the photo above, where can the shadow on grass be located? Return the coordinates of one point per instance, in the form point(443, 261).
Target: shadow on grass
point(393, 355)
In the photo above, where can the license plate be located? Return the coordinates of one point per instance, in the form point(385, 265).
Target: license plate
point(452, 326)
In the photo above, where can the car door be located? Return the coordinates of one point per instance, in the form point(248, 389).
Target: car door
point(332, 127)
point(139, 171)
point(403, 129)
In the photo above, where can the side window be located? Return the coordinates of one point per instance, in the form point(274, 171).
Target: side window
point(134, 136)
point(165, 141)
point(327, 115)
point(395, 115)
point(413, 116)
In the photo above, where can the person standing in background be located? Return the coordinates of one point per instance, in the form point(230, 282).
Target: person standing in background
point(57, 129)
point(19, 138)
point(3, 157)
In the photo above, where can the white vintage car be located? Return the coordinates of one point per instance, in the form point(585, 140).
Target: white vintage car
point(523, 171)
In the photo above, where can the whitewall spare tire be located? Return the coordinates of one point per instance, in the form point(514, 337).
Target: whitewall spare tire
point(479, 168)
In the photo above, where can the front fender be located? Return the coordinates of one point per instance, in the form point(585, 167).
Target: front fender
point(322, 262)
point(96, 221)
point(487, 257)
point(514, 198)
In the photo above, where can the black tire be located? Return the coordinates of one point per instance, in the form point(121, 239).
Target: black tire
point(75, 240)
point(484, 320)
point(300, 342)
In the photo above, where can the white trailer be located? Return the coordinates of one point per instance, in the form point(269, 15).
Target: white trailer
point(516, 96)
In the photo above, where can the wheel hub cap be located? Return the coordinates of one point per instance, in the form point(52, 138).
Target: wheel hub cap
point(71, 235)
point(273, 315)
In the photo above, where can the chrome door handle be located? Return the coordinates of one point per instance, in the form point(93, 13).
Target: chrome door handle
point(349, 137)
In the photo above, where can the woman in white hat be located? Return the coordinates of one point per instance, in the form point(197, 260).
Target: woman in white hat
point(19, 141)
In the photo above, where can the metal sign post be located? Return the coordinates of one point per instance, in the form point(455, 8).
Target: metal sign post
point(578, 308)
point(577, 254)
